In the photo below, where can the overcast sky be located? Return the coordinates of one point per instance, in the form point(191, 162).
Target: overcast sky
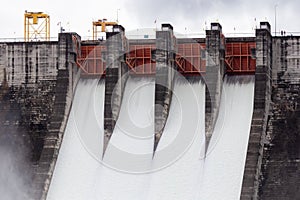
point(187, 16)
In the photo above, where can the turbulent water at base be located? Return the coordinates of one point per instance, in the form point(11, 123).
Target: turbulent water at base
point(179, 169)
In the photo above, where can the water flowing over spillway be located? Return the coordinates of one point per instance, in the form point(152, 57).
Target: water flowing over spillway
point(179, 169)
point(178, 159)
point(226, 154)
point(77, 165)
point(129, 152)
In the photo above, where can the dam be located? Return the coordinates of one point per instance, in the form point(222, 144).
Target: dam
point(151, 118)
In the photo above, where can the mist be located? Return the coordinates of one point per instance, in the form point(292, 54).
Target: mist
point(13, 181)
point(15, 167)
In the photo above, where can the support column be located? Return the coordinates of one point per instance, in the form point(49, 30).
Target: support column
point(67, 77)
point(262, 94)
point(165, 46)
point(116, 76)
point(213, 77)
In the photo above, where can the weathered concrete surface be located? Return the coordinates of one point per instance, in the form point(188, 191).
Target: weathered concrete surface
point(164, 78)
point(115, 79)
point(37, 81)
point(215, 50)
point(280, 176)
point(260, 114)
point(40, 78)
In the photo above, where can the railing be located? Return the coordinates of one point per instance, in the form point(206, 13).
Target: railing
point(21, 39)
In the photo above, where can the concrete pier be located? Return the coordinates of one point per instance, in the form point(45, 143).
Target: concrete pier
point(260, 114)
point(164, 78)
point(215, 70)
point(116, 76)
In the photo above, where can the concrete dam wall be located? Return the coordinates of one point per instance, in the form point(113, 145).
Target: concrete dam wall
point(280, 164)
point(272, 166)
point(37, 84)
point(41, 116)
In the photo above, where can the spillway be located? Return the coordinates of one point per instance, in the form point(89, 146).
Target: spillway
point(133, 172)
point(226, 154)
point(178, 160)
point(128, 156)
point(181, 168)
point(81, 149)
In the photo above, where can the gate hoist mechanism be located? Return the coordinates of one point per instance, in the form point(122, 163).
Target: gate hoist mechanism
point(36, 26)
point(103, 24)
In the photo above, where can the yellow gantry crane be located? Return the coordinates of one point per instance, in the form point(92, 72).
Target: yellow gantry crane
point(103, 24)
point(36, 26)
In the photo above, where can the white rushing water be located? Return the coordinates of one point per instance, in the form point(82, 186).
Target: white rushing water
point(182, 145)
point(179, 169)
point(170, 174)
point(77, 165)
point(226, 154)
point(129, 153)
